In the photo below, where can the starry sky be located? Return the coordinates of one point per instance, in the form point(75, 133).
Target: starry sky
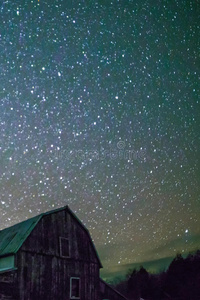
point(99, 110)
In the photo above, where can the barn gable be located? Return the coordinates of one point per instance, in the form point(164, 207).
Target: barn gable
point(19, 235)
point(51, 256)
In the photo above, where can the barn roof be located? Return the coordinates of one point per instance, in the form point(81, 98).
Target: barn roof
point(102, 282)
point(12, 238)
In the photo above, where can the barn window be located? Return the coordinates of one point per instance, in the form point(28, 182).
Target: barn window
point(7, 263)
point(64, 247)
point(75, 288)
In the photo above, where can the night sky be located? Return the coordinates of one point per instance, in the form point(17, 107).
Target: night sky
point(99, 110)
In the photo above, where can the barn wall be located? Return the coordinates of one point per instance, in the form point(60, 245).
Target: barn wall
point(48, 277)
point(45, 237)
point(44, 274)
point(8, 286)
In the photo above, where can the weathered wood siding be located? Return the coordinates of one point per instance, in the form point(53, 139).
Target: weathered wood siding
point(8, 286)
point(44, 274)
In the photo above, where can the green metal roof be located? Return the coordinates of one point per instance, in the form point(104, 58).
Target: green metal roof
point(12, 238)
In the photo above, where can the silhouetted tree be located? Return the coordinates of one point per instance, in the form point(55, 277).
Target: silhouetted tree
point(175, 276)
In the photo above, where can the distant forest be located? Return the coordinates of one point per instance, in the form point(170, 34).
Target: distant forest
point(181, 281)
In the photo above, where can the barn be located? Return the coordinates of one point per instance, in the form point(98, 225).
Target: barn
point(51, 256)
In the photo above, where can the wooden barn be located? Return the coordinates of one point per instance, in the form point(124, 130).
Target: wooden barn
point(51, 256)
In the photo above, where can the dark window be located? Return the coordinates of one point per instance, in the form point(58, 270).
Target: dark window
point(75, 288)
point(64, 247)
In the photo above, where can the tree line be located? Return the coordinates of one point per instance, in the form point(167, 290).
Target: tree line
point(181, 281)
